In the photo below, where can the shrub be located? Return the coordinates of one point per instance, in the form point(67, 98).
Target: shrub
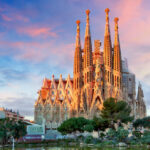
point(88, 139)
point(111, 133)
point(122, 134)
point(146, 133)
point(137, 134)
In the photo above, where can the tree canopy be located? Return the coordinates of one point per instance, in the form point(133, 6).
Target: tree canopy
point(75, 124)
point(116, 111)
point(9, 128)
point(144, 122)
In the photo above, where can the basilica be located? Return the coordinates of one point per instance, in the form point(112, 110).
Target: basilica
point(97, 75)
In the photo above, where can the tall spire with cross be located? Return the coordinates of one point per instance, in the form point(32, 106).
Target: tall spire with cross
point(77, 61)
point(88, 60)
point(117, 57)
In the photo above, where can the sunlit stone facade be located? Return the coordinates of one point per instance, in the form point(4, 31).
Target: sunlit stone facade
point(97, 76)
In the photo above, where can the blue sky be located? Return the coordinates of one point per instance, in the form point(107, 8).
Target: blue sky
point(37, 40)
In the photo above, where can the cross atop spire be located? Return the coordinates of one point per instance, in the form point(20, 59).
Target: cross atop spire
point(78, 34)
point(87, 30)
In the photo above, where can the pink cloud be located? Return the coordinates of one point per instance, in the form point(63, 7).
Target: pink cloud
point(37, 31)
point(36, 52)
point(6, 18)
point(14, 17)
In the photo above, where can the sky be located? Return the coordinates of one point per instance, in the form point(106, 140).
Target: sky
point(37, 39)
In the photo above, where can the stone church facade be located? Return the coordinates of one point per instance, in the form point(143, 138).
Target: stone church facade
point(97, 76)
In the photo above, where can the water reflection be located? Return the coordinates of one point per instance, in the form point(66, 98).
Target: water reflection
point(74, 148)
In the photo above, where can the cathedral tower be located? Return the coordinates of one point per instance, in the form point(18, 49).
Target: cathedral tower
point(117, 59)
point(107, 57)
point(88, 62)
point(77, 62)
point(77, 74)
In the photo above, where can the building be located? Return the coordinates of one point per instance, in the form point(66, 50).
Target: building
point(97, 75)
point(12, 115)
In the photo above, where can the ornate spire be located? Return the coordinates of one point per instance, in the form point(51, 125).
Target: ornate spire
point(117, 51)
point(107, 30)
point(78, 34)
point(87, 30)
point(88, 61)
point(77, 60)
point(116, 31)
point(107, 42)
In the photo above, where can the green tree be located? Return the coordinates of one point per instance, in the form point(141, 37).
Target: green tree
point(9, 128)
point(116, 111)
point(144, 122)
point(100, 124)
point(75, 124)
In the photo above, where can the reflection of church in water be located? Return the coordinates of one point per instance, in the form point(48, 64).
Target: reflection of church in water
point(97, 76)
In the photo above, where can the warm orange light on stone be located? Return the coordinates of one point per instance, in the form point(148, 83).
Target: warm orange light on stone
point(107, 10)
point(87, 11)
point(116, 19)
point(78, 22)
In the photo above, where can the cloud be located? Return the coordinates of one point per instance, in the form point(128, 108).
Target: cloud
point(12, 74)
point(25, 105)
point(38, 51)
point(37, 31)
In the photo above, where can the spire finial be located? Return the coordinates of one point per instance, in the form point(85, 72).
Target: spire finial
point(87, 11)
point(107, 11)
point(116, 19)
point(78, 22)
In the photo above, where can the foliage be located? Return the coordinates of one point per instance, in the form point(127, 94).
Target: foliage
point(146, 137)
point(75, 124)
point(89, 128)
point(116, 111)
point(111, 134)
point(137, 134)
point(146, 133)
point(9, 128)
point(144, 122)
point(122, 134)
point(108, 142)
point(100, 124)
point(88, 139)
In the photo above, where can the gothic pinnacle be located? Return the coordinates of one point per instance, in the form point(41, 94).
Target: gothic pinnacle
point(116, 31)
point(78, 34)
point(87, 31)
point(107, 32)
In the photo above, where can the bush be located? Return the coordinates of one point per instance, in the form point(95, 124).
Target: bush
point(146, 137)
point(102, 135)
point(88, 139)
point(111, 134)
point(122, 134)
point(137, 134)
point(146, 133)
point(109, 142)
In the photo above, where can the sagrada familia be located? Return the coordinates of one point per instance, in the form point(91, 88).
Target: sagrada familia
point(97, 76)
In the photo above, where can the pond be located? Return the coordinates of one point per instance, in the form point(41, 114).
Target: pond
point(74, 148)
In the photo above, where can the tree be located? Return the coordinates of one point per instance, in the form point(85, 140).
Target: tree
point(75, 124)
point(9, 128)
point(100, 124)
point(144, 122)
point(116, 111)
